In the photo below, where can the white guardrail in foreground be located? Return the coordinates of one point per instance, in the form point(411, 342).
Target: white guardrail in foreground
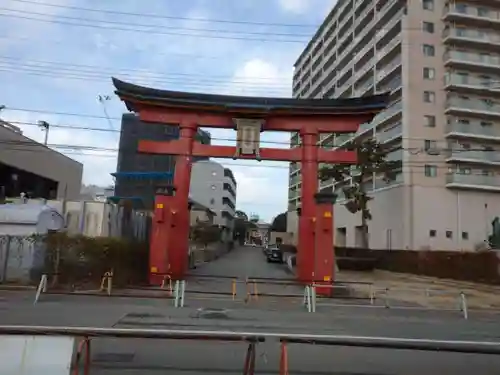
point(25, 349)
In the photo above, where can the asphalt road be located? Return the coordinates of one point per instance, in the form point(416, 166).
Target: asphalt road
point(266, 314)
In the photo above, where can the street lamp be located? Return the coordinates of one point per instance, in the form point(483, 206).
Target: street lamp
point(44, 125)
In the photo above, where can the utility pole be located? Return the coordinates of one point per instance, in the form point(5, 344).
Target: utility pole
point(45, 126)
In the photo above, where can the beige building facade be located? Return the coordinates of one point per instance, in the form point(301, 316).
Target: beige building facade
point(440, 60)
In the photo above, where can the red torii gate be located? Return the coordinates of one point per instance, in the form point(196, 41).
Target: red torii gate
point(250, 116)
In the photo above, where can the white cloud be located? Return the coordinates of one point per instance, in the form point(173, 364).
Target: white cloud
point(260, 74)
point(295, 6)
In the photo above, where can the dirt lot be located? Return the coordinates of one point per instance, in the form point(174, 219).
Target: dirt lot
point(423, 290)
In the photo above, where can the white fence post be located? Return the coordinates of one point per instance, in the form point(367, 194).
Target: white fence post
point(463, 305)
point(183, 291)
point(42, 288)
point(176, 294)
point(307, 298)
point(313, 298)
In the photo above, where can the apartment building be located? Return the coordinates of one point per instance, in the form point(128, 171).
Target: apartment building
point(139, 175)
point(440, 60)
point(214, 186)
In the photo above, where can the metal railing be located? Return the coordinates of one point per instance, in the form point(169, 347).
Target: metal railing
point(252, 339)
point(177, 291)
point(374, 293)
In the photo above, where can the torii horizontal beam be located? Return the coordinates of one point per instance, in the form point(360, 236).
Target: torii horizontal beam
point(180, 147)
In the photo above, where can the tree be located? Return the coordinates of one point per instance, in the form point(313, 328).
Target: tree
point(279, 223)
point(371, 160)
point(241, 226)
point(205, 233)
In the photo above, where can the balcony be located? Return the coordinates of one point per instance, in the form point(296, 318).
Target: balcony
point(389, 47)
point(478, 107)
point(473, 156)
point(474, 131)
point(390, 134)
point(486, 63)
point(389, 25)
point(472, 15)
point(395, 155)
point(472, 84)
point(387, 114)
point(472, 181)
point(381, 184)
point(461, 36)
point(389, 68)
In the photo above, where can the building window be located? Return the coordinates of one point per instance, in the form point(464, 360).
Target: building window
point(430, 121)
point(428, 27)
point(465, 235)
point(428, 4)
point(486, 124)
point(483, 12)
point(461, 31)
point(429, 96)
point(461, 8)
point(429, 50)
point(432, 233)
point(430, 170)
point(429, 73)
point(429, 145)
point(449, 234)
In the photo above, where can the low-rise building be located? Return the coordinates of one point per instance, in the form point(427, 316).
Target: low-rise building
point(32, 168)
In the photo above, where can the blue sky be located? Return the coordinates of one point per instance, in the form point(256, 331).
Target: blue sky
point(50, 64)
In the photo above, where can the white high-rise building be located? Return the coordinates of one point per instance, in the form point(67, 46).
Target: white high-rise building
point(441, 62)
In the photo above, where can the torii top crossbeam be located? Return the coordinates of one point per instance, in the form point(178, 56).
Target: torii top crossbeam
point(306, 116)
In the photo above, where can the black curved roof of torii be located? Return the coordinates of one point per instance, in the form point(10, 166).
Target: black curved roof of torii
point(246, 105)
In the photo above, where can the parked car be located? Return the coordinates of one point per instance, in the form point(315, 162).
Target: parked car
point(274, 254)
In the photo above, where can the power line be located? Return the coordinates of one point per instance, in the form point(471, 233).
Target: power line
point(149, 32)
point(120, 69)
point(196, 84)
point(161, 27)
point(157, 53)
point(414, 168)
point(159, 16)
point(97, 72)
point(30, 143)
point(87, 128)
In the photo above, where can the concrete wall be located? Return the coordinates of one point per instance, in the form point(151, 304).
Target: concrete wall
point(38, 159)
point(201, 216)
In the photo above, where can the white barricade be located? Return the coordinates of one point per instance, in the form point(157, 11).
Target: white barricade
point(35, 355)
point(179, 293)
point(310, 300)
